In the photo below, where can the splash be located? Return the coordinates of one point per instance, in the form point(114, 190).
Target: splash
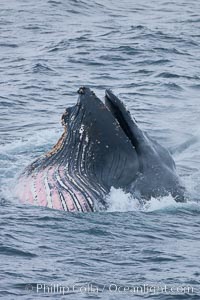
point(19, 153)
point(39, 140)
point(120, 201)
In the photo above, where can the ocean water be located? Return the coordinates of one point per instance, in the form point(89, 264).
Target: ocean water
point(148, 53)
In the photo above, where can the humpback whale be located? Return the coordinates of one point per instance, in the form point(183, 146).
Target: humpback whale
point(101, 147)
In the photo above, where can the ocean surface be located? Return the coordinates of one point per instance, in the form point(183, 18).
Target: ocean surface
point(148, 53)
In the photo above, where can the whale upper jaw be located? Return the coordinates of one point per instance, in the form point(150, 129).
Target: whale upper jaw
point(116, 107)
point(123, 117)
point(115, 162)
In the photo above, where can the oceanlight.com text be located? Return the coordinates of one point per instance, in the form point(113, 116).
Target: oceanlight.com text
point(91, 288)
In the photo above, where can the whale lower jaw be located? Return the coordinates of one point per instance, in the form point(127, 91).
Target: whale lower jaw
point(57, 188)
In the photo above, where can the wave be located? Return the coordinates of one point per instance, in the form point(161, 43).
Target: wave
point(9, 45)
point(42, 68)
point(119, 201)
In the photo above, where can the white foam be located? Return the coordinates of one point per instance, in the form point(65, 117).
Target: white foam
point(19, 153)
point(39, 138)
point(120, 201)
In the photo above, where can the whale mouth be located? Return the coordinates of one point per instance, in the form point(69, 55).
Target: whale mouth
point(114, 106)
point(103, 130)
point(121, 115)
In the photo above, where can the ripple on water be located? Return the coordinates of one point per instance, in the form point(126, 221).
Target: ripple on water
point(11, 251)
point(149, 55)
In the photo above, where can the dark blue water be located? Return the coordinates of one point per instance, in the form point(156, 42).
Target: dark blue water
point(148, 53)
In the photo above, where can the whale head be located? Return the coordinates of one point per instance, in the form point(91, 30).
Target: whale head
point(101, 147)
point(105, 150)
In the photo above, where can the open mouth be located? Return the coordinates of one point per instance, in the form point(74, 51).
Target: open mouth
point(122, 116)
point(115, 107)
